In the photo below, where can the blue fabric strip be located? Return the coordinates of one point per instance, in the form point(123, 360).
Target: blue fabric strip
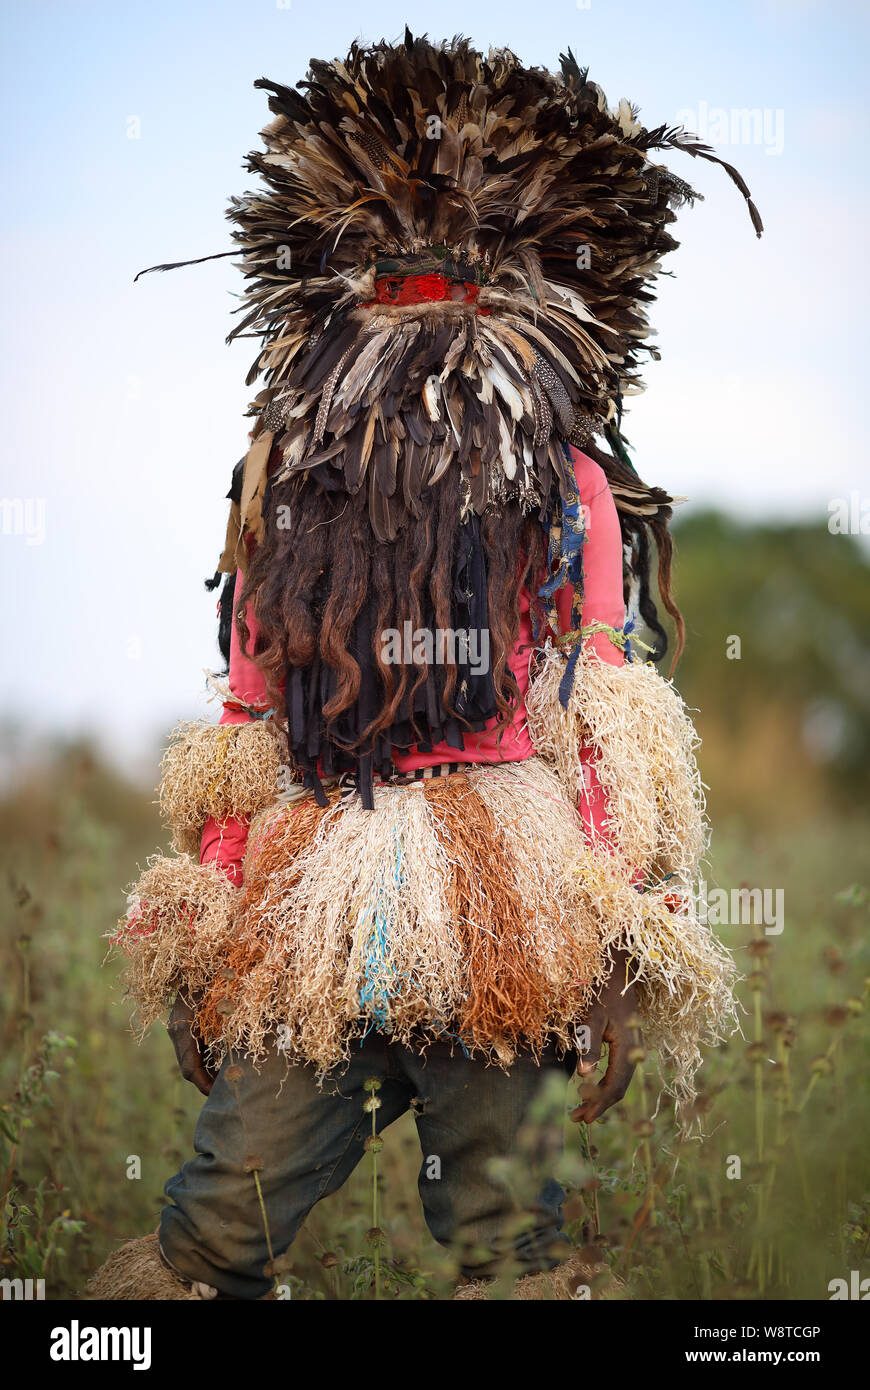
point(375, 993)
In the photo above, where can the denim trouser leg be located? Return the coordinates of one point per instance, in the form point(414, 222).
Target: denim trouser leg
point(469, 1115)
point(306, 1141)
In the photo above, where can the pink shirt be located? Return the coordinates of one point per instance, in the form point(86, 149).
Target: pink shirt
point(602, 602)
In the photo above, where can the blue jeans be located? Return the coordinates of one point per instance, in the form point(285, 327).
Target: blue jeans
point(306, 1141)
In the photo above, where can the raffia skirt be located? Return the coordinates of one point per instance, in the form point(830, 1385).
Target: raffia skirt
point(472, 907)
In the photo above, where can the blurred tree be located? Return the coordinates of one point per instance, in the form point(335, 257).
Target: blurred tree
point(777, 661)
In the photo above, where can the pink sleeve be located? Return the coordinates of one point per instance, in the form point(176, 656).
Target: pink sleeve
point(247, 682)
point(602, 561)
point(602, 602)
point(224, 842)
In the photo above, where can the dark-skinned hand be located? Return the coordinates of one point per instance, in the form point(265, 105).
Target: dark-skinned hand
point(612, 1020)
point(188, 1047)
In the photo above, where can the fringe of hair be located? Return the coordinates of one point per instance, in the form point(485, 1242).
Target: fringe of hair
point(644, 744)
point(218, 770)
point(177, 929)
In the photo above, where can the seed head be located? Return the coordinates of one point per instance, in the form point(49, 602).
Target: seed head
point(760, 948)
point(822, 1066)
point(834, 960)
point(776, 1021)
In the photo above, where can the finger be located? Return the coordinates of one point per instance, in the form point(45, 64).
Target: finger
point(588, 1087)
point(589, 1038)
point(614, 1084)
point(202, 1081)
point(181, 1015)
point(193, 1066)
point(193, 1070)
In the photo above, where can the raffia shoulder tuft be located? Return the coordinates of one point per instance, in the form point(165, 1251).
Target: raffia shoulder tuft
point(644, 746)
point(219, 770)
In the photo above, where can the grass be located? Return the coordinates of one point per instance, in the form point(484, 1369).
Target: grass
point(775, 1202)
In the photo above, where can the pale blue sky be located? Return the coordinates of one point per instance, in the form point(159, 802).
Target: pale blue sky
point(123, 408)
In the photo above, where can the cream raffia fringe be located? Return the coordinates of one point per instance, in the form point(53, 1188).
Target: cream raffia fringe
point(218, 770)
point(177, 927)
point(644, 754)
point(684, 975)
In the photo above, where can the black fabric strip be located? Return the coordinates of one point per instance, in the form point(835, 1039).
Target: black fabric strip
point(312, 780)
point(421, 720)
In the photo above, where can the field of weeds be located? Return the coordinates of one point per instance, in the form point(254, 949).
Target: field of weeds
point(774, 1201)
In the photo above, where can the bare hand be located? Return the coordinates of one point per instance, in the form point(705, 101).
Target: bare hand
point(188, 1047)
point(612, 1020)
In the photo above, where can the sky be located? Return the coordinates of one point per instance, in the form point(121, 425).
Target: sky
point(124, 409)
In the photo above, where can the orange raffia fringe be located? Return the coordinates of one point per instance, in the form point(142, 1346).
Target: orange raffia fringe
point(218, 770)
point(505, 990)
point(541, 830)
point(276, 842)
point(512, 928)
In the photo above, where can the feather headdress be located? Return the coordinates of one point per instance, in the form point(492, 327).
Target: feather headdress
point(449, 266)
